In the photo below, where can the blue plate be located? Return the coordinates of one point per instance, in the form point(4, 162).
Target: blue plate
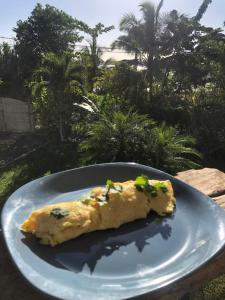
point(136, 259)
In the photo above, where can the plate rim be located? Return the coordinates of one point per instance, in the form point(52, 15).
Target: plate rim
point(131, 164)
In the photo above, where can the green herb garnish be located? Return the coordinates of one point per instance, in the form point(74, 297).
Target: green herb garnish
point(86, 201)
point(109, 186)
point(141, 182)
point(142, 185)
point(161, 185)
point(59, 213)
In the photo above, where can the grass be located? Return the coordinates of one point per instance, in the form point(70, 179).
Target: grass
point(11, 179)
point(213, 290)
point(47, 160)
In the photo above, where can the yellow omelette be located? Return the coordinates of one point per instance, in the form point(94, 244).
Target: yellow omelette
point(106, 207)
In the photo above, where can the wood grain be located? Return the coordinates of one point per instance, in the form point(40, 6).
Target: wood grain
point(209, 181)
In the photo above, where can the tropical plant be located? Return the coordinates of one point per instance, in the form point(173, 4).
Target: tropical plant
point(123, 81)
point(202, 9)
point(56, 86)
point(207, 122)
point(142, 38)
point(117, 136)
point(172, 151)
point(166, 45)
point(48, 29)
point(134, 137)
point(10, 80)
point(93, 52)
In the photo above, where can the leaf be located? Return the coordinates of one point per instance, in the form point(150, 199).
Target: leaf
point(59, 213)
point(110, 184)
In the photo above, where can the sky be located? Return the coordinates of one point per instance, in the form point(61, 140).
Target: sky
point(107, 12)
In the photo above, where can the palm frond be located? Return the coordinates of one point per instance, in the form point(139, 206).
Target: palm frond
point(128, 22)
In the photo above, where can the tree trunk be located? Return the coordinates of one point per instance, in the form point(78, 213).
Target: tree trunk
point(61, 131)
point(150, 75)
point(164, 82)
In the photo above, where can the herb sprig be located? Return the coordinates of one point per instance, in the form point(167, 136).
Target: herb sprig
point(142, 185)
point(109, 186)
point(59, 213)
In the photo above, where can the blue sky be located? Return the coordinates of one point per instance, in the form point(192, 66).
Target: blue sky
point(108, 12)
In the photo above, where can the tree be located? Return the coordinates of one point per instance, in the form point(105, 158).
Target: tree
point(93, 51)
point(178, 56)
point(125, 82)
point(165, 46)
point(46, 30)
point(202, 9)
point(207, 122)
point(142, 38)
point(11, 84)
point(56, 86)
point(129, 42)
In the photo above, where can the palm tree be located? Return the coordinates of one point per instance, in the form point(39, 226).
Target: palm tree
point(141, 38)
point(59, 77)
point(202, 9)
point(130, 25)
point(93, 51)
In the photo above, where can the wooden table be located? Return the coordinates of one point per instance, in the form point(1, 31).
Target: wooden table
point(209, 181)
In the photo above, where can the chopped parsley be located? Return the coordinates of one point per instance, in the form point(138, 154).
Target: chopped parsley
point(160, 185)
point(142, 185)
point(110, 185)
point(59, 213)
point(86, 201)
point(104, 197)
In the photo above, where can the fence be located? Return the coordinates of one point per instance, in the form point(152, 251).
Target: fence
point(15, 116)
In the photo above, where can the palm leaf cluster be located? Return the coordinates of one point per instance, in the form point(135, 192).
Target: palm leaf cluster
point(134, 137)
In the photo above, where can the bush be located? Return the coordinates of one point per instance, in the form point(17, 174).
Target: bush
point(134, 137)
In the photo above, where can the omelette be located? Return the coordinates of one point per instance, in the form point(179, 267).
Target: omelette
point(104, 207)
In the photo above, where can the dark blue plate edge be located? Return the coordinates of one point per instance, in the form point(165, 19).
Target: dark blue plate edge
point(132, 164)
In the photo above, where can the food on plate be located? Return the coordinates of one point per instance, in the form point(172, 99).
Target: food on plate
point(105, 207)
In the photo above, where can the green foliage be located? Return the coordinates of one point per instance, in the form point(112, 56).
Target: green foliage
point(10, 80)
point(93, 53)
point(172, 151)
point(56, 86)
point(117, 137)
point(202, 9)
point(207, 122)
point(46, 30)
point(142, 39)
point(52, 157)
point(213, 290)
point(10, 180)
point(133, 137)
point(123, 81)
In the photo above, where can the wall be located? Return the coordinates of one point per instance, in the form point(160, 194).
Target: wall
point(15, 116)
